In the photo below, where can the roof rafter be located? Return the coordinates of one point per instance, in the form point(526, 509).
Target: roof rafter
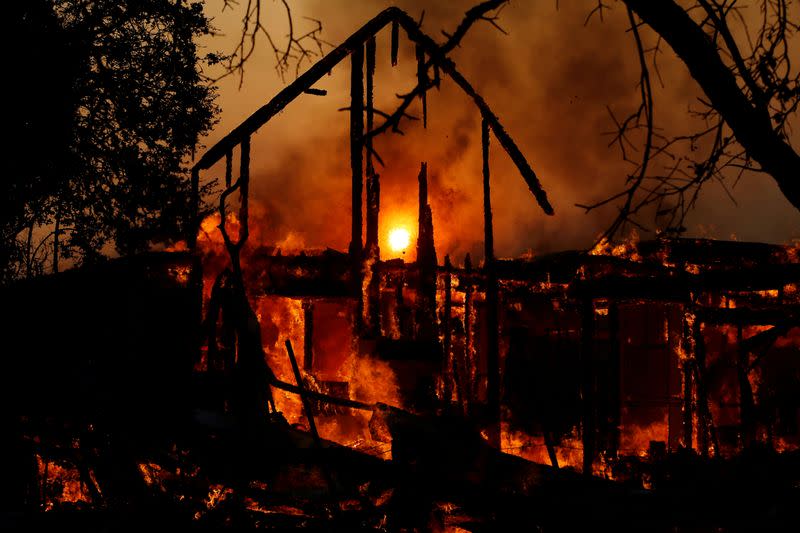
point(306, 80)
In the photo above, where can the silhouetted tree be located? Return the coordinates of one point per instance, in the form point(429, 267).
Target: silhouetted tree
point(107, 102)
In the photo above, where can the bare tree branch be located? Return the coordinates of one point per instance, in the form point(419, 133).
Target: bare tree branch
point(296, 50)
point(751, 91)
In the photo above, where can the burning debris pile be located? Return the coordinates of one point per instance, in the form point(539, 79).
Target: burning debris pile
point(248, 386)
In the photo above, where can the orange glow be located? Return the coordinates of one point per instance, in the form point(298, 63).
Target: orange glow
point(399, 239)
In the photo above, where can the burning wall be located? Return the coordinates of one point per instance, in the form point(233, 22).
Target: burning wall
point(642, 298)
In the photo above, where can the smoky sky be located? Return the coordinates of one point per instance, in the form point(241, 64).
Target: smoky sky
point(551, 80)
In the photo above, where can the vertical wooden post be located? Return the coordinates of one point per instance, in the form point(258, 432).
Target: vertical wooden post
point(449, 368)
point(746, 402)
point(312, 426)
point(357, 173)
point(371, 277)
point(403, 326)
point(492, 297)
point(370, 52)
point(426, 264)
point(395, 41)
point(228, 169)
point(371, 280)
point(373, 180)
point(356, 145)
point(422, 180)
point(688, 385)
point(303, 397)
point(587, 383)
point(244, 195)
point(703, 415)
point(469, 381)
point(308, 335)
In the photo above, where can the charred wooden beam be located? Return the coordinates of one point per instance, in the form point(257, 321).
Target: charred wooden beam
point(619, 287)
point(297, 87)
point(449, 368)
point(371, 280)
point(760, 343)
point(356, 150)
point(703, 413)
point(326, 275)
point(321, 397)
point(426, 263)
point(727, 254)
point(744, 276)
point(550, 445)
point(395, 41)
point(309, 413)
point(373, 253)
point(370, 272)
point(687, 364)
point(746, 402)
point(492, 300)
point(404, 317)
point(244, 192)
point(773, 315)
point(353, 44)
point(243, 186)
point(469, 381)
point(302, 393)
point(370, 52)
point(422, 180)
point(229, 168)
point(505, 140)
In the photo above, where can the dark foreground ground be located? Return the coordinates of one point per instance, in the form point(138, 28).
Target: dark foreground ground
point(213, 474)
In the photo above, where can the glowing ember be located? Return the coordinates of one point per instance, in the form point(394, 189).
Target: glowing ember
point(399, 239)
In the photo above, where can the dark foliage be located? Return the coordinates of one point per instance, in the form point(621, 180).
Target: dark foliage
point(108, 102)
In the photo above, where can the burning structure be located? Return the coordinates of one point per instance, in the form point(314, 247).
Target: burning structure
point(611, 363)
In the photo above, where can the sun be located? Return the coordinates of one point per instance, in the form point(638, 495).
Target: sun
point(399, 238)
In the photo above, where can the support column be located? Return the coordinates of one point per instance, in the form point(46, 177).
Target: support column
point(688, 385)
point(426, 264)
point(703, 414)
point(356, 149)
point(470, 365)
point(449, 368)
point(356, 249)
point(371, 279)
point(746, 402)
point(492, 297)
